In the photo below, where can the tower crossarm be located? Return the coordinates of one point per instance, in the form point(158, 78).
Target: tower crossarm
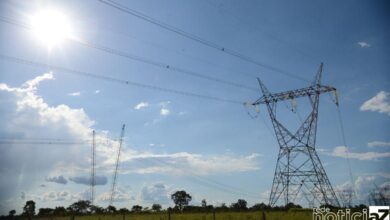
point(292, 94)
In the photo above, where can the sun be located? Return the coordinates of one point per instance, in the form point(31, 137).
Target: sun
point(51, 27)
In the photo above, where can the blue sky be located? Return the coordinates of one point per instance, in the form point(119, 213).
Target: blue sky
point(208, 140)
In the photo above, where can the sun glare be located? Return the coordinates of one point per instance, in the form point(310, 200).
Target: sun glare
point(51, 27)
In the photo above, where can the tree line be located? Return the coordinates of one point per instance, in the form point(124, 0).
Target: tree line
point(181, 199)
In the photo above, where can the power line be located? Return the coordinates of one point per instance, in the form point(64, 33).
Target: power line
point(207, 182)
point(162, 65)
point(41, 143)
point(347, 150)
point(139, 58)
point(265, 33)
point(116, 80)
point(198, 39)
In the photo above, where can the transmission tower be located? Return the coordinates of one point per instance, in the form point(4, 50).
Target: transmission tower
point(93, 167)
point(114, 179)
point(346, 196)
point(298, 169)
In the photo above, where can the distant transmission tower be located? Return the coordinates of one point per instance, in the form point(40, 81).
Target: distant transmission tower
point(299, 170)
point(346, 196)
point(93, 168)
point(114, 179)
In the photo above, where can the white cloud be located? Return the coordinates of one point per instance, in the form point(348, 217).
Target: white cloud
point(378, 144)
point(141, 105)
point(25, 114)
point(74, 94)
point(97, 91)
point(164, 110)
point(60, 196)
point(379, 103)
point(383, 174)
point(184, 163)
point(342, 151)
point(155, 193)
point(121, 194)
point(33, 84)
point(156, 145)
point(363, 186)
point(363, 44)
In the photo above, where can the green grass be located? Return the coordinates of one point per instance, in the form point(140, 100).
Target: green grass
point(272, 215)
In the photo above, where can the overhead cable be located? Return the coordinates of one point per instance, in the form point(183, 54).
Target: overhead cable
point(138, 58)
point(115, 80)
point(198, 39)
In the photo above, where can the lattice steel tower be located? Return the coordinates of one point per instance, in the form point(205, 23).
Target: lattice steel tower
point(299, 170)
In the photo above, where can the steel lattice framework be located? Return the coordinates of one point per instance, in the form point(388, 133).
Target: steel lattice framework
point(115, 176)
point(93, 163)
point(299, 170)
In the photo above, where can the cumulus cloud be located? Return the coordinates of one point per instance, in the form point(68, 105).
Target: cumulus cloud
point(164, 110)
point(55, 196)
point(342, 151)
point(363, 44)
point(363, 186)
point(378, 144)
point(155, 193)
point(74, 94)
point(24, 114)
point(156, 145)
point(32, 85)
point(121, 194)
point(57, 179)
point(86, 180)
point(141, 105)
point(379, 103)
point(182, 163)
point(60, 196)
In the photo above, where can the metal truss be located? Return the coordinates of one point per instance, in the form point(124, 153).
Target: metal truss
point(299, 171)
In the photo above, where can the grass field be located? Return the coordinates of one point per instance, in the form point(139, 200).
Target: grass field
point(272, 215)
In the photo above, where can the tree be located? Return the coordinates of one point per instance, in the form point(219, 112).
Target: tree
point(12, 213)
point(239, 205)
point(45, 211)
point(59, 210)
point(29, 208)
point(111, 209)
point(80, 207)
point(123, 211)
point(291, 205)
point(181, 199)
point(97, 209)
point(204, 203)
point(156, 207)
point(222, 207)
point(260, 207)
point(136, 208)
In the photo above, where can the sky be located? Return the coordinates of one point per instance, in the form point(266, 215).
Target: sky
point(212, 149)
